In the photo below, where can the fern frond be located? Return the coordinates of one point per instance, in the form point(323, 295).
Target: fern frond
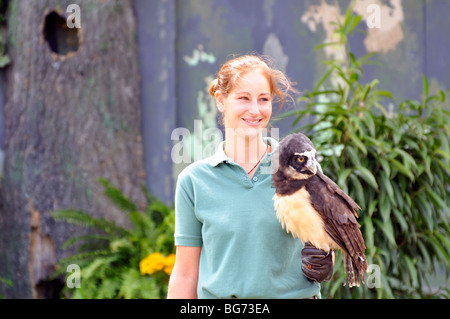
point(89, 238)
point(108, 288)
point(83, 258)
point(83, 219)
point(142, 224)
point(117, 197)
point(94, 268)
point(150, 197)
point(73, 216)
point(135, 286)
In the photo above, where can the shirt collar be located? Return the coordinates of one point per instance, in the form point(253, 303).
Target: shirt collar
point(220, 156)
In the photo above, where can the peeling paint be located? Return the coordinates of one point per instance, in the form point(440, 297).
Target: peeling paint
point(383, 39)
point(390, 33)
point(323, 15)
point(42, 251)
point(272, 47)
point(198, 55)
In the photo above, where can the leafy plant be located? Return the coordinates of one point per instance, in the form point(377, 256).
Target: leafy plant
point(395, 165)
point(111, 257)
point(5, 281)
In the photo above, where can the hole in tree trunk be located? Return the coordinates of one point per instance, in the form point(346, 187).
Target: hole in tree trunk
point(60, 38)
point(49, 289)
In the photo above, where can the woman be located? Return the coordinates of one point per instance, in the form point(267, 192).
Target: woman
point(229, 241)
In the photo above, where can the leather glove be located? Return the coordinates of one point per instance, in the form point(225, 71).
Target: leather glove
point(317, 265)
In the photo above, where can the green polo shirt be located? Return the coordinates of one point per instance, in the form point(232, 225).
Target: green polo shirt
point(245, 252)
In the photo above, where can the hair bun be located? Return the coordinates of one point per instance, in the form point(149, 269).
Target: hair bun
point(213, 86)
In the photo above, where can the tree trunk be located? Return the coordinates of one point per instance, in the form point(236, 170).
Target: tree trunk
point(71, 116)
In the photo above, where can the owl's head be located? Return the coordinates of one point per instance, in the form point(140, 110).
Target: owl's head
point(295, 157)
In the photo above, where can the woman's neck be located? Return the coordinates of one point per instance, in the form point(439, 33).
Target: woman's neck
point(245, 150)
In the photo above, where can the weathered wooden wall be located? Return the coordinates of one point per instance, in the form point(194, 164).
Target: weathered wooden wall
point(69, 118)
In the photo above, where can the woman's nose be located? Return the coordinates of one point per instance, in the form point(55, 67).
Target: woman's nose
point(254, 108)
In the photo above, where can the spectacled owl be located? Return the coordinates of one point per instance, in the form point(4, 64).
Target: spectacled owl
point(312, 207)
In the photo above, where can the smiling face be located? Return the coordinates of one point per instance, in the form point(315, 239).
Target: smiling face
point(248, 105)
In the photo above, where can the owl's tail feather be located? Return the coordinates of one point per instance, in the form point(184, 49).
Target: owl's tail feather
point(355, 267)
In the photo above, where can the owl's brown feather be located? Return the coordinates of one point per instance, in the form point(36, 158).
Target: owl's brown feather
point(338, 212)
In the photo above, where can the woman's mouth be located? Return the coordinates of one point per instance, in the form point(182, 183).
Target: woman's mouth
point(252, 122)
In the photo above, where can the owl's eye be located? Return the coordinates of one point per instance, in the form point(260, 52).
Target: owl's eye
point(301, 159)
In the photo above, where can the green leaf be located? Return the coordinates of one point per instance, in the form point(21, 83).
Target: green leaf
point(401, 220)
point(359, 191)
point(4, 60)
point(352, 155)
point(444, 240)
point(385, 165)
point(373, 204)
point(342, 178)
point(425, 255)
point(437, 200)
point(412, 271)
point(440, 251)
point(358, 143)
point(387, 230)
point(425, 88)
point(323, 79)
point(384, 94)
point(386, 184)
point(408, 160)
point(426, 210)
point(402, 169)
point(367, 175)
point(6, 281)
point(368, 120)
point(369, 231)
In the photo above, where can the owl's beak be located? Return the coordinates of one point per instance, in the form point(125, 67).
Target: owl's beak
point(311, 165)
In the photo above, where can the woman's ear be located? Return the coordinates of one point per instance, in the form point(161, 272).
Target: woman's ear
point(220, 101)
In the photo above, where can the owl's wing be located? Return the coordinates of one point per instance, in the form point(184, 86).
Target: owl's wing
point(338, 211)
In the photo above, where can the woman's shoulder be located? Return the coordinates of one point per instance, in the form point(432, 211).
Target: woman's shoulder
point(196, 168)
point(205, 164)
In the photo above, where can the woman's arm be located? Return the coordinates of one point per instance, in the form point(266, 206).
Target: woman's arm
point(184, 278)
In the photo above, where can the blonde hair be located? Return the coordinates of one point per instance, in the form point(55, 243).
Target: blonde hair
point(279, 83)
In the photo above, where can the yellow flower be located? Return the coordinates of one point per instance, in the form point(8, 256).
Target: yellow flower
point(151, 264)
point(156, 262)
point(169, 262)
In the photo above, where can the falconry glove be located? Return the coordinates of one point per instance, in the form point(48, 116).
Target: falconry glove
point(317, 265)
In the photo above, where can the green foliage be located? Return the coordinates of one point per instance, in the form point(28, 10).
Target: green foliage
point(394, 164)
point(7, 282)
point(4, 58)
point(109, 255)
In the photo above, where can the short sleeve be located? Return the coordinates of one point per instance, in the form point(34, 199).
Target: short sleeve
point(188, 229)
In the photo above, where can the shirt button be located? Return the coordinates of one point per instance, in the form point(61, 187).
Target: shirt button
point(255, 178)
